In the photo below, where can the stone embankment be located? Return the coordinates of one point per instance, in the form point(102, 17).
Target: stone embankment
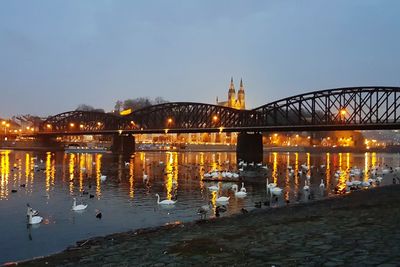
point(358, 229)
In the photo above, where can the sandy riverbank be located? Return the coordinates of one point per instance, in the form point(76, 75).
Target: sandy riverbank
point(359, 229)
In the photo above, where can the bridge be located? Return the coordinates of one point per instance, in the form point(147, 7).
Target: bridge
point(351, 108)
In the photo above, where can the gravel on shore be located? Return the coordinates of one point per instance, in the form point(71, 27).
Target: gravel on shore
point(358, 229)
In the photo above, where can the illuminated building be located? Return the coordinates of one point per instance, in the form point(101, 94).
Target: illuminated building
point(233, 101)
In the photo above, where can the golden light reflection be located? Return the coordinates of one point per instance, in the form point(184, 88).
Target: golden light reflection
point(5, 172)
point(308, 164)
point(341, 184)
point(328, 171)
point(201, 171)
point(214, 200)
point(82, 170)
point(132, 177)
point(366, 166)
point(48, 171)
point(347, 161)
point(296, 172)
point(28, 167)
point(287, 180)
point(172, 173)
point(373, 159)
point(275, 168)
point(71, 169)
point(98, 174)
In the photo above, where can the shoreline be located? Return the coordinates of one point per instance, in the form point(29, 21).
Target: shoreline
point(194, 242)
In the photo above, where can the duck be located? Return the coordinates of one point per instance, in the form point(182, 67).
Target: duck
point(98, 214)
point(238, 193)
point(165, 201)
point(78, 207)
point(33, 219)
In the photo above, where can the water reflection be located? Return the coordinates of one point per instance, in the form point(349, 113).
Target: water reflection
point(173, 175)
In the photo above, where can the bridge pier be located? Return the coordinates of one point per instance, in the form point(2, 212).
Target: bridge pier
point(249, 147)
point(123, 144)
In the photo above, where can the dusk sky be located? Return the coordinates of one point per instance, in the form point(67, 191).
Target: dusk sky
point(55, 55)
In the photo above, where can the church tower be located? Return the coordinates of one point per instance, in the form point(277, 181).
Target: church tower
point(231, 95)
point(241, 100)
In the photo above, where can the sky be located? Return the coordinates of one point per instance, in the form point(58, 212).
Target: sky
point(57, 54)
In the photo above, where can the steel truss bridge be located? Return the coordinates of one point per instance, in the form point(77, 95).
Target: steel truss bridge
point(354, 108)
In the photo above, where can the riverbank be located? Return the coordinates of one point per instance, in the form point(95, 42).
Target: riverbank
point(359, 229)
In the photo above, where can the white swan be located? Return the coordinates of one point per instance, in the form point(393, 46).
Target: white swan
point(240, 193)
point(276, 191)
point(145, 177)
point(270, 186)
point(306, 187)
point(34, 219)
point(103, 178)
point(213, 188)
point(243, 189)
point(165, 201)
point(222, 199)
point(30, 210)
point(78, 207)
point(322, 185)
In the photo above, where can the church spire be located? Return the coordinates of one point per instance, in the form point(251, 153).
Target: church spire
point(231, 86)
point(241, 83)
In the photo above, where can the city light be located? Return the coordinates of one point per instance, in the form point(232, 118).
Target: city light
point(169, 120)
point(215, 118)
point(72, 124)
point(48, 126)
point(81, 126)
point(343, 112)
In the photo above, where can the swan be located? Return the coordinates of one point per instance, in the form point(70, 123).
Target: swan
point(270, 186)
point(103, 178)
point(127, 163)
point(213, 188)
point(145, 177)
point(30, 210)
point(165, 201)
point(222, 199)
point(235, 175)
point(322, 185)
point(34, 219)
point(240, 193)
point(243, 189)
point(306, 187)
point(78, 207)
point(276, 191)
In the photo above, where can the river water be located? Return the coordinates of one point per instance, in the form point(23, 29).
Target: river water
point(49, 181)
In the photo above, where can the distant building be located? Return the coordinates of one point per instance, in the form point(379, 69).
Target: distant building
point(233, 101)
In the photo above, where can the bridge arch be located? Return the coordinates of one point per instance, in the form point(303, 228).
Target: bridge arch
point(350, 107)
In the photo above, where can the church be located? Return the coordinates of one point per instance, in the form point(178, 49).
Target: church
point(233, 101)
